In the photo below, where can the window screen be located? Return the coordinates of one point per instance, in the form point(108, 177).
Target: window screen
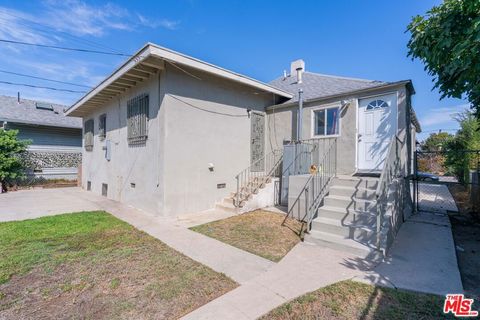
point(88, 135)
point(137, 119)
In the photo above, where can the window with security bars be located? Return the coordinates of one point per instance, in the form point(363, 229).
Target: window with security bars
point(137, 119)
point(88, 135)
point(102, 126)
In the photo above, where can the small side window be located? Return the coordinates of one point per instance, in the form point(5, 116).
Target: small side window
point(102, 127)
point(88, 135)
point(137, 120)
point(326, 122)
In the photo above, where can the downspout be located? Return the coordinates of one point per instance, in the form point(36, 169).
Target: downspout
point(300, 115)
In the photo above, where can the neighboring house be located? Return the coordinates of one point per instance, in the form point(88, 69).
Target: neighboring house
point(56, 140)
point(171, 134)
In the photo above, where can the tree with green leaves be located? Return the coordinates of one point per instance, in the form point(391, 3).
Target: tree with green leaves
point(11, 149)
point(436, 141)
point(447, 41)
point(459, 158)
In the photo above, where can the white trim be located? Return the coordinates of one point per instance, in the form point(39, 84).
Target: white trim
point(386, 93)
point(312, 121)
point(53, 148)
point(357, 120)
point(152, 50)
point(356, 133)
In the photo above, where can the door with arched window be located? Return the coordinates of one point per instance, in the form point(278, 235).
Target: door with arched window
point(377, 124)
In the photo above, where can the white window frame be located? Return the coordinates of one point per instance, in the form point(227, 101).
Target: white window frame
point(313, 124)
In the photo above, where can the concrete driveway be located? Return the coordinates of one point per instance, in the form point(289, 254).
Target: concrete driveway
point(30, 204)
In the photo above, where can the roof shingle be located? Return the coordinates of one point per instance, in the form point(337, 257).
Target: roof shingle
point(27, 112)
point(315, 85)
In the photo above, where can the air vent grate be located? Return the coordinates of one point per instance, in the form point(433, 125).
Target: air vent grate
point(104, 189)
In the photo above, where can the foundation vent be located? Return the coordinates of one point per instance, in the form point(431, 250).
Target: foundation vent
point(104, 189)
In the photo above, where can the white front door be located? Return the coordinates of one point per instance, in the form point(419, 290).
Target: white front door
point(377, 124)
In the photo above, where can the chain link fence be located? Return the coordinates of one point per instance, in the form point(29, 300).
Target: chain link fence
point(447, 181)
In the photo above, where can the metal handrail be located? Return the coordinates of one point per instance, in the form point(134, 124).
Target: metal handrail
point(391, 171)
point(317, 184)
point(250, 179)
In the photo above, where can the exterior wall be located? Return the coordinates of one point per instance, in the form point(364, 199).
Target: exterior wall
point(133, 173)
point(48, 136)
point(282, 124)
point(192, 123)
point(206, 123)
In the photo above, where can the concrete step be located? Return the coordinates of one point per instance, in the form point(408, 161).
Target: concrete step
point(348, 216)
point(349, 203)
point(340, 243)
point(350, 230)
point(346, 191)
point(226, 207)
point(355, 182)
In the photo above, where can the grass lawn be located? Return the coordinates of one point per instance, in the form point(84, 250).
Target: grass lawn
point(353, 300)
point(258, 232)
point(91, 265)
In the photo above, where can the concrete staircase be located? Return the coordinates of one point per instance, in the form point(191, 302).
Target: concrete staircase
point(347, 220)
point(247, 193)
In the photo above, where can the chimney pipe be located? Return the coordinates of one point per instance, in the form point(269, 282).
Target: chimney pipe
point(299, 75)
point(18, 96)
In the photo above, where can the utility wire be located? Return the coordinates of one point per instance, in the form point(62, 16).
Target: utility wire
point(64, 48)
point(41, 87)
point(41, 28)
point(206, 110)
point(40, 78)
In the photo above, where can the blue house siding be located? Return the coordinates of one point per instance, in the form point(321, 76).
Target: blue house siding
point(48, 136)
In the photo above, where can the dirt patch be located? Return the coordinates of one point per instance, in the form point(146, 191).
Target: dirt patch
point(259, 232)
point(116, 272)
point(466, 233)
point(353, 300)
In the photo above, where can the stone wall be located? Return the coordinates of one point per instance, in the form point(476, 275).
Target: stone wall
point(38, 160)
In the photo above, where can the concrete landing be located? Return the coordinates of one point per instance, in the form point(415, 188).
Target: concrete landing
point(198, 218)
point(422, 258)
point(31, 204)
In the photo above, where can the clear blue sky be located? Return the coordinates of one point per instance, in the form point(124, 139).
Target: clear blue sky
point(364, 39)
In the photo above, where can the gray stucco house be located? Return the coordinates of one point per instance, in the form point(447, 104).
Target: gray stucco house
point(56, 140)
point(172, 134)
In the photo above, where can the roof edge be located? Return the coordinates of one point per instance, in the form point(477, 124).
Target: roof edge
point(342, 94)
point(150, 49)
point(40, 124)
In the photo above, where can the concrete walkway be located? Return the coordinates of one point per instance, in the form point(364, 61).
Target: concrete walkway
point(304, 269)
point(435, 197)
point(422, 259)
point(237, 264)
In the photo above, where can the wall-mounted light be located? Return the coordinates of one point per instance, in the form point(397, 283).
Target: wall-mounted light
point(211, 167)
point(345, 103)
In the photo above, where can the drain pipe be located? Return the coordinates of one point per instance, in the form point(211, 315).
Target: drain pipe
point(300, 115)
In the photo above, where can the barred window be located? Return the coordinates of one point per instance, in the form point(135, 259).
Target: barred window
point(137, 119)
point(88, 135)
point(102, 126)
